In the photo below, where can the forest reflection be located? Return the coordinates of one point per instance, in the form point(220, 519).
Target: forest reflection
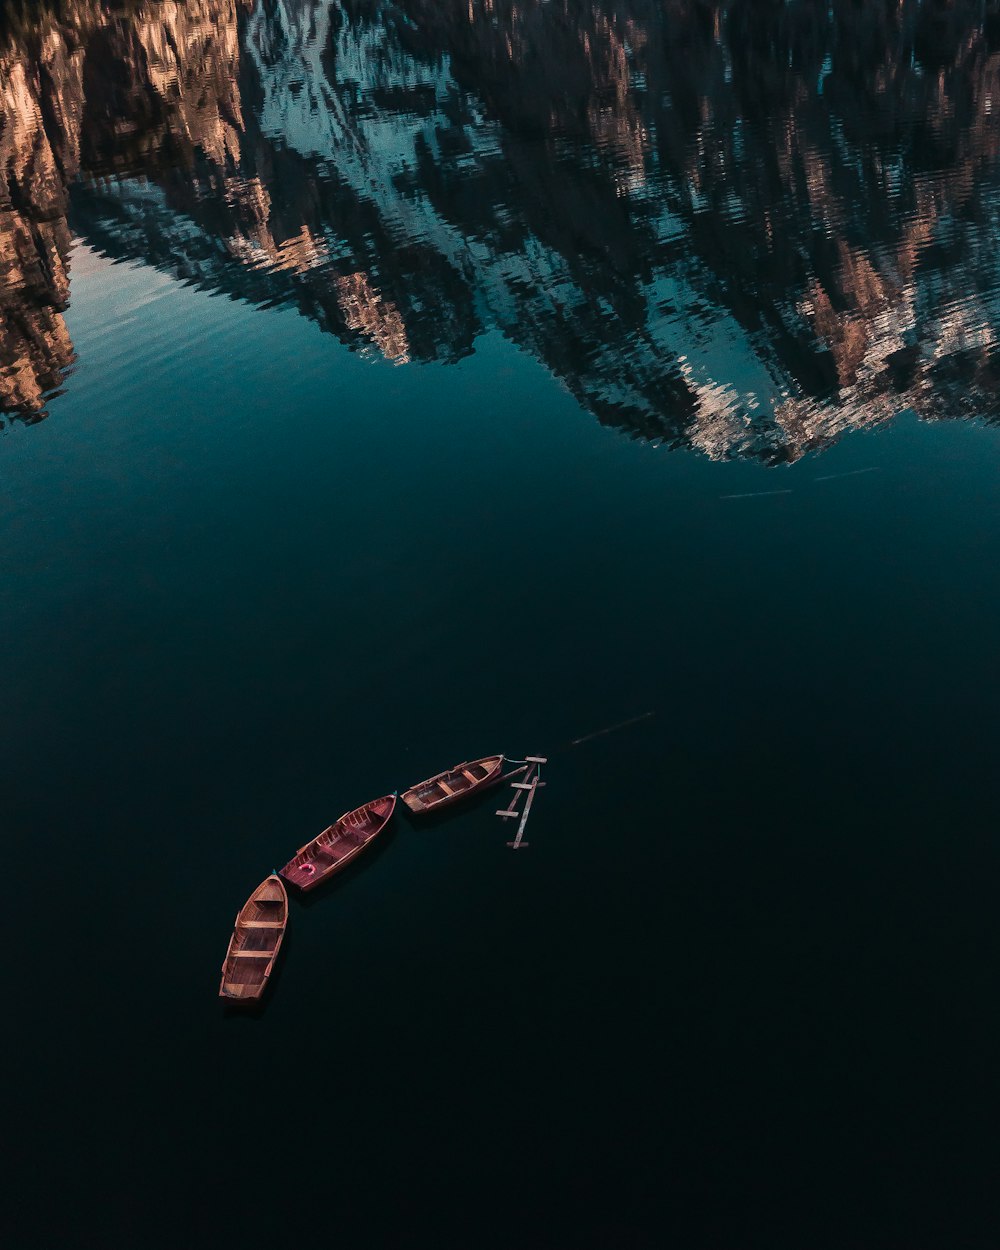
point(736, 226)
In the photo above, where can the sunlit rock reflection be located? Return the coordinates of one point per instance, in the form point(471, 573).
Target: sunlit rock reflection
point(35, 346)
point(366, 311)
point(741, 228)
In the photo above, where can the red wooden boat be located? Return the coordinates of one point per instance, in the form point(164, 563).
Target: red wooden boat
point(335, 847)
point(256, 940)
point(457, 783)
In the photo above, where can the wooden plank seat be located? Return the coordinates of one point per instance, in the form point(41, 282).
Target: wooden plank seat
point(454, 784)
point(255, 942)
point(338, 844)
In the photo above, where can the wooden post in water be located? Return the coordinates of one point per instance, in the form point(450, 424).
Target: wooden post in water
point(517, 786)
point(532, 782)
point(518, 843)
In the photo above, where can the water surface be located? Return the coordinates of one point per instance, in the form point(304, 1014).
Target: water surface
point(390, 384)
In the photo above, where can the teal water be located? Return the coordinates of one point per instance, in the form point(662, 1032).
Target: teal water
point(750, 950)
point(576, 403)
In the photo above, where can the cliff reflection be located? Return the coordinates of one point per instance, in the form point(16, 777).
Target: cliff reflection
point(737, 226)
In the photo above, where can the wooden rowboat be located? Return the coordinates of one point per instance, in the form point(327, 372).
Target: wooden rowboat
point(336, 846)
point(256, 940)
point(457, 783)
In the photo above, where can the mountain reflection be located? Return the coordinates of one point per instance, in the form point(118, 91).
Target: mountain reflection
point(739, 226)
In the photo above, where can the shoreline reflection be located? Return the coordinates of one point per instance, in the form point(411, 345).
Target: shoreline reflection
point(740, 231)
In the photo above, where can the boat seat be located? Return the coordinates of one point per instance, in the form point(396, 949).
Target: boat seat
point(446, 788)
point(471, 776)
point(263, 924)
point(254, 954)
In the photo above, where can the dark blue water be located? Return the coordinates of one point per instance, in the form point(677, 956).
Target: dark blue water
point(267, 557)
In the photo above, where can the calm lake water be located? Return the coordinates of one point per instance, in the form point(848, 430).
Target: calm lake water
point(388, 384)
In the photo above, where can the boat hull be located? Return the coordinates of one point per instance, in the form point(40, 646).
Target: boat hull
point(258, 933)
point(432, 795)
point(338, 845)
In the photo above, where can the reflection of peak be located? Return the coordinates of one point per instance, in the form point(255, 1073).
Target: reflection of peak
point(164, 83)
point(365, 310)
point(35, 353)
point(35, 349)
point(192, 56)
point(739, 229)
point(64, 98)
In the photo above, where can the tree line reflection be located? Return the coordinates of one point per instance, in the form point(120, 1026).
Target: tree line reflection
point(740, 227)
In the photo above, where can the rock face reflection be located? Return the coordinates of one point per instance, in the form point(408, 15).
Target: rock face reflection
point(737, 226)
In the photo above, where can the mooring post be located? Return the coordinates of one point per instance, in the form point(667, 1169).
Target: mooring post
point(516, 787)
point(517, 843)
point(532, 782)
